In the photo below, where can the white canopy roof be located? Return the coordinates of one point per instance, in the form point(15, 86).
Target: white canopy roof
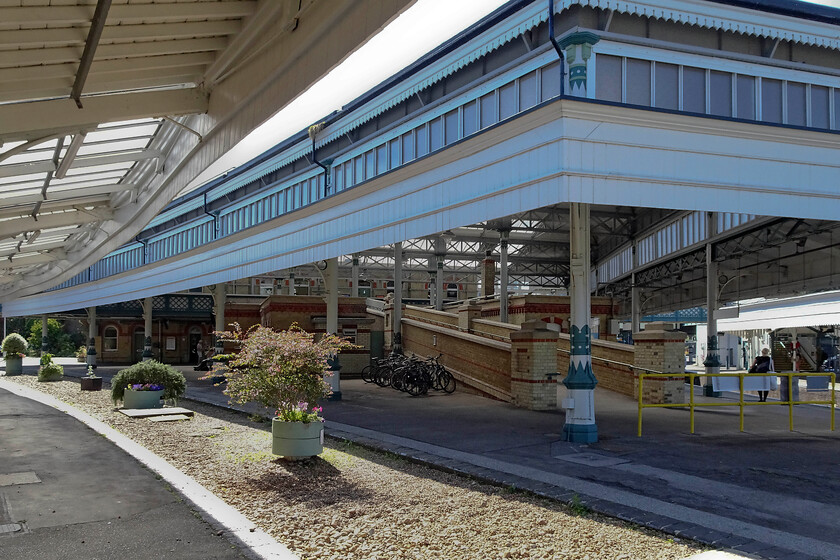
point(814, 310)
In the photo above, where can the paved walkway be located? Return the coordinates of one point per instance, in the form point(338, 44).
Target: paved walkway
point(765, 493)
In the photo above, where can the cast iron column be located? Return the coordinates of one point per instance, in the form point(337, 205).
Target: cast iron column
point(91, 351)
point(44, 330)
point(147, 331)
point(503, 277)
point(331, 281)
point(580, 424)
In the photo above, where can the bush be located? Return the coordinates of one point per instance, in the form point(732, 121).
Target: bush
point(81, 354)
point(151, 371)
point(46, 359)
point(14, 344)
point(50, 372)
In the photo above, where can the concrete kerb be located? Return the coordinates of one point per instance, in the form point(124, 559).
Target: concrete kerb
point(254, 543)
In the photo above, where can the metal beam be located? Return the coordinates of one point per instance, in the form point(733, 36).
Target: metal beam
point(70, 154)
point(60, 114)
point(29, 260)
point(16, 226)
point(92, 42)
point(56, 194)
point(127, 13)
point(60, 37)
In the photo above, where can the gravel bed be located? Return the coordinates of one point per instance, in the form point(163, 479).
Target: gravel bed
point(354, 503)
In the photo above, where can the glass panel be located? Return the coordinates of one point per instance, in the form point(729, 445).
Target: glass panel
point(771, 100)
point(370, 164)
point(348, 174)
point(470, 112)
point(382, 158)
point(608, 78)
point(837, 109)
point(667, 86)
point(638, 82)
point(507, 101)
point(359, 169)
point(422, 141)
point(395, 153)
point(450, 120)
point(528, 91)
point(338, 177)
point(796, 104)
point(488, 110)
point(720, 92)
point(550, 82)
point(819, 107)
point(746, 97)
point(408, 146)
point(435, 134)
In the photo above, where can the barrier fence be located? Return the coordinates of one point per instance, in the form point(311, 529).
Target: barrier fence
point(741, 403)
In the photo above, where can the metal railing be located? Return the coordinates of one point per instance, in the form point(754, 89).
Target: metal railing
point(741, 403)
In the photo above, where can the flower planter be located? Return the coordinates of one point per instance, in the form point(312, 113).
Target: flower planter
point(92, 384)
point(142, 399)
point(14, 365)
point(296, 440)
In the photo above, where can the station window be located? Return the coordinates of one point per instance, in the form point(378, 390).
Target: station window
point(109, 339)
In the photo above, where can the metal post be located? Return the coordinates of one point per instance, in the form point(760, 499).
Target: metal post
point(291, 283)
point(635, 295)
point(44, 329)
point(219, 301)
point(147, 332)
point(398, 293)
point(91, 351)
point(354, 291)
point(503, 277)
point(331, 281)
point(712, 361)
point(580, 424)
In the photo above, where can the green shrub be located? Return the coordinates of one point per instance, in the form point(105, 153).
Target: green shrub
point(46, 359)
point(14, 344)
point(81, 354)
point(50, 372)
point(151, 371)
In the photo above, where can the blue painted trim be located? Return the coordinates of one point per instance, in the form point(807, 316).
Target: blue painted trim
point(580, 433)
point(802, 10)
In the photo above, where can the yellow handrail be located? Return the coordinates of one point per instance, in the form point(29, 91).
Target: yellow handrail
point(741, 403)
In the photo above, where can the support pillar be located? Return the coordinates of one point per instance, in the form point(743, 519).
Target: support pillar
point(331, 284)
point(219, 301)
point(488, 275)
point(533, 368)
point(580, 424)
point(503, 277)
point(44, 330)
point(91, 350)
point(354, 277)
point(147, 328)
point(439, 284)
point(712, 361)
point(396, 341)
point(291, 283)
point(635, 294)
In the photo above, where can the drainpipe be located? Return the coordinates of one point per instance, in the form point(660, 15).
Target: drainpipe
point(325, 165)
point(144, 243)
point(214, 216)
point(556, 46)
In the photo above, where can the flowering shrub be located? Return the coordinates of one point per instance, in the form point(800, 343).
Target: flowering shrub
point(14, 345)
point(149, 372)
point(144, 387)
point(283, 370)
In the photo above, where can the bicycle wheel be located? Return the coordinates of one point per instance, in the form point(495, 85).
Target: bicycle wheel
point(383, 377)
point(447, 381)
point(398, 380)
point(367, 374)
point(415, 385)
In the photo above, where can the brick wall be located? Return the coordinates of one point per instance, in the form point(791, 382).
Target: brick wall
point(663, 350)
point(612, 376)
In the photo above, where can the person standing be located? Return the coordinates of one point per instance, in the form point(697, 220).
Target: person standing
point(199, 351)
point(762, 364)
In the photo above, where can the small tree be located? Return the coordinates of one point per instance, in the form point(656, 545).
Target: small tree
point(283, 370)
point(59, 342)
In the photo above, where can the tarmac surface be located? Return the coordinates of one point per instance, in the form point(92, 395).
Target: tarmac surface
point(764, 493)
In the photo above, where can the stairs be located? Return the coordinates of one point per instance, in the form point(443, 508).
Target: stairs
point(781, 357)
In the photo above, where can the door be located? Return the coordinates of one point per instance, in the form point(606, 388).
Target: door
point(139, 344)
point(194, 338)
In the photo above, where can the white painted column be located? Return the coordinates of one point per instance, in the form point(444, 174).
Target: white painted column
point(91, 350)
point(354, 277)
point(580, 424)
point(147, 330)
point(635, 294)
point(503, 277)
point(331, 281)
point(439, 284)
point(291, 283)
point(219, 301)
point(398, 288)
point(44, 331)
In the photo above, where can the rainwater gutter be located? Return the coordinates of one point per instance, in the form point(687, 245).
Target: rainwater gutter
point(556, 46)
point(325, 165)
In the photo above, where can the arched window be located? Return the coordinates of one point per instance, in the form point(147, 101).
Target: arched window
point(109, 339)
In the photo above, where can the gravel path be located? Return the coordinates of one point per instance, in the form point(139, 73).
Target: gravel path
point(354, 503)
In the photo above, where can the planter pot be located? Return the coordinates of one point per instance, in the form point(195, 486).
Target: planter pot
point(142, 399)
point(91, 383)
point(14, 365)
point(296, 440)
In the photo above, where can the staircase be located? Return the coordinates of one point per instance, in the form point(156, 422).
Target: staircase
point(781, 357)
